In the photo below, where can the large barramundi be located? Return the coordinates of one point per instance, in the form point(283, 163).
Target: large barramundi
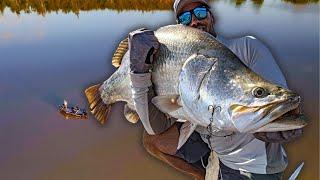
point(194, 74)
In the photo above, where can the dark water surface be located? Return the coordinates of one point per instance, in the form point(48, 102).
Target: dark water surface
point(47, 58)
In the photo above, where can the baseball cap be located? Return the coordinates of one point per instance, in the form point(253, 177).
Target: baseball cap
point(179, 4)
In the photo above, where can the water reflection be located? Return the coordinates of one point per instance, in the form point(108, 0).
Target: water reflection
point(238, 2)
point(257, 3)
point(42, 7)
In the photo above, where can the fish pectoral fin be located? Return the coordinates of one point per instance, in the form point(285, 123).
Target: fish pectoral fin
point(96, 105)
point(166, 103)
point(120, 52)
point(130, 114)
point(185, 132)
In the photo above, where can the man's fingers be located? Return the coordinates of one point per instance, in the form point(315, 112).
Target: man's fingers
point(292, 134)
point(142, 29)
point(279, 137)
point(287, 134)
point(140, 33)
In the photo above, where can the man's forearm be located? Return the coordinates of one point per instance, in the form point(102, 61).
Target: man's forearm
point(153, 120)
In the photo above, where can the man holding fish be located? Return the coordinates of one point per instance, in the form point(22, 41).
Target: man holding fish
point(241, 155)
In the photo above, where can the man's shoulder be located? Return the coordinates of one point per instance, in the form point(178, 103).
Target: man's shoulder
point(247, 48)
point(242, 42)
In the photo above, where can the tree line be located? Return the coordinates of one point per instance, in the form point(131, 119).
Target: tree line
point(75, 6)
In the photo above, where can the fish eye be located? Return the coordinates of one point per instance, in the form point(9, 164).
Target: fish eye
point(259, 92)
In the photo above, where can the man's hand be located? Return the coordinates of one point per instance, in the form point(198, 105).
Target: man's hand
point(279, 137)
point(142, 46)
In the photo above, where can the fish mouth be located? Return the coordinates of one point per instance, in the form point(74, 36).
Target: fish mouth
point(286, 122)
point(272, 117)
point(291, 119)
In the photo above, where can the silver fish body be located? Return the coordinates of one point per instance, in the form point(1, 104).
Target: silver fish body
point(194, 71)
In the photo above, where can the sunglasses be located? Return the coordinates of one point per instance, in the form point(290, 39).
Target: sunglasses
point(186, 17)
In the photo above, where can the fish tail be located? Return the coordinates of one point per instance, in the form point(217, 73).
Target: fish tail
point(96, 104)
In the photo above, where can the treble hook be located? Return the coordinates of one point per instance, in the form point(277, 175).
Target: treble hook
point(213, 108)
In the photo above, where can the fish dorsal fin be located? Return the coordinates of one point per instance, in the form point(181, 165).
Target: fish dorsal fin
point(120, 51)
point(166, 103)
point(185, 132)
point(130, 114)
point(97, 107)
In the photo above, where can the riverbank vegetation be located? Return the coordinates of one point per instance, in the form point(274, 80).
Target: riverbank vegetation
point(75, 6)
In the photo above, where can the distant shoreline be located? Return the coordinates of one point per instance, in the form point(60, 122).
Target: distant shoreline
point(43, 7)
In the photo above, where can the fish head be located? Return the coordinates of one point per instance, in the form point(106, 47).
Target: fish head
point(253, 106)
point(227, 94)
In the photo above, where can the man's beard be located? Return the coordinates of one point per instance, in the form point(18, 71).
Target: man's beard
point(206, 29)
point(203, 28)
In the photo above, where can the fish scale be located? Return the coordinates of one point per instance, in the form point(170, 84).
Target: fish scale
point(171, 58)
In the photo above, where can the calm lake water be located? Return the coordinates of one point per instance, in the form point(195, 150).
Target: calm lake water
point(45, 59)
